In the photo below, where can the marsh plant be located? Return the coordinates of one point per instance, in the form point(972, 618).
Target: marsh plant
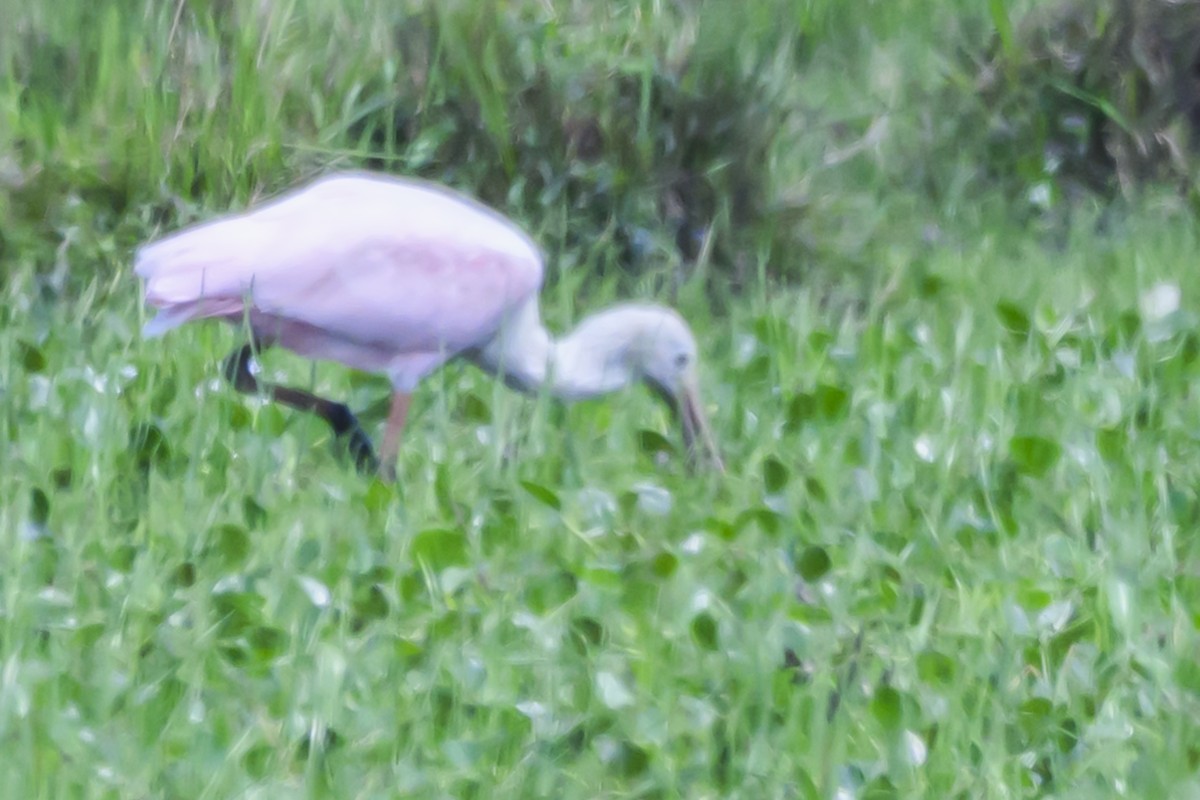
point(953, 554)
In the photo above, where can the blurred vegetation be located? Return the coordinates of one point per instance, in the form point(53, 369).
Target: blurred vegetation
point(1093, 97)
point(653, 135)
point(641, 139)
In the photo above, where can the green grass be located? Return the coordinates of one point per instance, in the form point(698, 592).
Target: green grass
point(954, 555)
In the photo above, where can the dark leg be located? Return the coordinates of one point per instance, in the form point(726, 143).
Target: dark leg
point(340, 418)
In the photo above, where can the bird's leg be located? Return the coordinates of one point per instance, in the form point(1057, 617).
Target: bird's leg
point(390, 447)
point(340, 418)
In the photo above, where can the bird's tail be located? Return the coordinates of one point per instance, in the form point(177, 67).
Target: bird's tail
point(200, 272)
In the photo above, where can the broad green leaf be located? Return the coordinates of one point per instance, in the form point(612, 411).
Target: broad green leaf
point(184, 575)
point(704, 630)
point(1035, 716)
point(813, 563)
point(238, 610)
point(664, 564)
point(545, 593)
point(652, 443)
point(930, 286)
point(1032, 598)
point(1013, 318)
point(935, 668)
point(254, 514)
point(31, 357)
point(881, 787)
point(148, 445)
point(831, 401)
point(631, 759)
point(63, 477)
point(267, 643)
point(770, 329)
point(602, 577)
point(775, 475)
point(1112, 444)
point(887, 708)
point(370, 603)
point(379, 495)
point(1034, 455)
point(230, 543)
point(543, 494)
point(766, 519)
point(588, 630)
point(800, 410)
point(258, 760)
point(440, 547)
point(820, 340)
point(39, 507)
point(472, 408)
point(237, 416)
point(756, 370)
point(722, 528)
point(121, 557)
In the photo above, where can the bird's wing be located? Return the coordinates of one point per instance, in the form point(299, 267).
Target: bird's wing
point(405, 266)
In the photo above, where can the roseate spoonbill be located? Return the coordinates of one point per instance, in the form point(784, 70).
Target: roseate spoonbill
point(398, 276)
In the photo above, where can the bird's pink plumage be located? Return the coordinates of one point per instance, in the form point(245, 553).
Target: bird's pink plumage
point(378, 273)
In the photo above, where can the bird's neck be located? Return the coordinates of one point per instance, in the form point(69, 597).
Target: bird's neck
point(590, 361)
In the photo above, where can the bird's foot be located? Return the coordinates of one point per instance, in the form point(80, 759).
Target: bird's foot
point(359, 445)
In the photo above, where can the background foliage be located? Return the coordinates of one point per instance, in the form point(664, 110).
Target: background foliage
point(940, 258)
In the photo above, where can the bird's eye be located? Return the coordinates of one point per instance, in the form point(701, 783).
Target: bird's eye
point(681, 360)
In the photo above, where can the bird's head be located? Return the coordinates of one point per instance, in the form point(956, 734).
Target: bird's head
point(663, 353)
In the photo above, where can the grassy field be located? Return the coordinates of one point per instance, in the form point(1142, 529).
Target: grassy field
point(953, 555)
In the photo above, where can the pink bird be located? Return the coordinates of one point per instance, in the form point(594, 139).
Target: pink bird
point(397, 277)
